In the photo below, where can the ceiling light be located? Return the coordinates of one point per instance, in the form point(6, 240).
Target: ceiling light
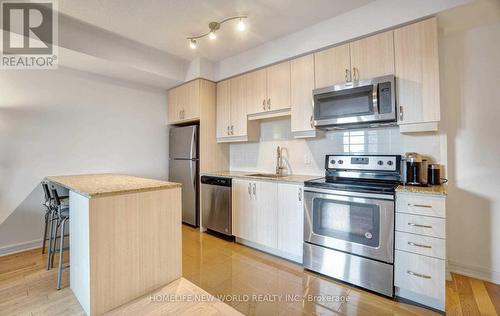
point(192, 43)
point(215, 26)
point(241, 25)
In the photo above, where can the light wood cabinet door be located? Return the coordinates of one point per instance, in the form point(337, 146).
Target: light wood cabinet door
point(332, 66)
point(291, 219)
point(372, 56)
point(256, 91)
point(191, 100)
point(223, 109)
point(243, 209)
point(417, 72)
point(302, 84)
point(238, 107)
point(266, 224)
point(278, 86)
point(173, 108)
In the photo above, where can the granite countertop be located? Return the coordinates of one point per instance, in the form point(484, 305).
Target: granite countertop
point(435, 189)
point(97, 185)
point(249, 175)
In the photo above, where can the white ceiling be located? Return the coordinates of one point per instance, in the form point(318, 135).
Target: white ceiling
point(165, 24)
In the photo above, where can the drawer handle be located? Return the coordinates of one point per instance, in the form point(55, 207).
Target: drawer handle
point(419, 205)
point(419, 225)
point(423, 276)
point(419, 245)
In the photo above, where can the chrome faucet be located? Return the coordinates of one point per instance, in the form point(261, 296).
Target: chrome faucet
point(279, 161)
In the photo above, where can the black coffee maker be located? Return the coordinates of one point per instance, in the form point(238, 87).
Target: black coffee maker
point(415, 169)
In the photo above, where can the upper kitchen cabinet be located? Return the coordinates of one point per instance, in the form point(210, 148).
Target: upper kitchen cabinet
point(184, 102)
point(372, 56)
point(232, 124)
point(268, 92)
point(332, 66)
point(257, 91)
point(417, 76)
point(302, 84)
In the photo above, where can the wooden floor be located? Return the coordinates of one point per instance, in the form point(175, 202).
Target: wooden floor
point(240, 276)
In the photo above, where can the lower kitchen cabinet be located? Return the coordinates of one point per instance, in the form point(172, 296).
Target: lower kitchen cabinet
point(269, 216)
point(420, 249)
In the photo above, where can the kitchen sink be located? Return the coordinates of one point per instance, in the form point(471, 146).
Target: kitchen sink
point(267, 175)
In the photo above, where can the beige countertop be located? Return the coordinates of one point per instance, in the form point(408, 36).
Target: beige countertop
point(435, 189)
point(249, 175)
point(97, 185)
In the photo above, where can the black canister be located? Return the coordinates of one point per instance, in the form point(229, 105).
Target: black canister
point(434, 174)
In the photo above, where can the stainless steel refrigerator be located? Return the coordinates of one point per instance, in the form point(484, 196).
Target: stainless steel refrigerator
point(183, 168)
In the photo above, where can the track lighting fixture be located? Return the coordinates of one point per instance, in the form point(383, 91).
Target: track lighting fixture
point(214, 27)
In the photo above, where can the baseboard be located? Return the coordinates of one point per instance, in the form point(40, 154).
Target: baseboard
point(20, 247)
point(475, 272)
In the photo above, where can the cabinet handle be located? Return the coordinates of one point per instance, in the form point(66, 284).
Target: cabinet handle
point(249, 188)
point(419, 245)
point(300, 194)
point(232, 130)
point(254, 190)
point(355, 74)
point(311, 121)
point(401, 113)
point(264, 104)
point(347, 75)
point(423, 276)
point(419, 225)
point(419, 205)
point(269, 103)
point(228, 129)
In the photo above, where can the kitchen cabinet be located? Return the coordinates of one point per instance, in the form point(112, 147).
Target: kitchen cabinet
point(417, 76)
point(420, 248)
point(232, 124)
point(243, 209)
point(291, 219)
point(269, 90)
point(301, 85)
point(372, 56)
point(265, 193)
point(332, 66)
point(184, 102)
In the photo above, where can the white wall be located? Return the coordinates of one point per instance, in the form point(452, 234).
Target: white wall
point(57, 122)
point(470, 77)
point(370, 18)
point(307, 156)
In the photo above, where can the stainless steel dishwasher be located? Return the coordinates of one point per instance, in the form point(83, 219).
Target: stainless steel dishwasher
point(216, 204)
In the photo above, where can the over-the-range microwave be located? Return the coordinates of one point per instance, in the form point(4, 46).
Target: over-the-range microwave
point(365, 103)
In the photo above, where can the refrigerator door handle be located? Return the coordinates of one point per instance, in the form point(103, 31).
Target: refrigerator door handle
point(193, 143)
point(191, 173)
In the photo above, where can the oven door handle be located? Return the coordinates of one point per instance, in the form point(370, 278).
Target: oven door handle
point(350, 194)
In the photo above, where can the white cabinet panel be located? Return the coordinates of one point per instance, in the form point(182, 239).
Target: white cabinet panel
point(243, 209)
point(422, 225)
point(290, 219)
point(421, 204)
point(423, 245)
point(266, 210)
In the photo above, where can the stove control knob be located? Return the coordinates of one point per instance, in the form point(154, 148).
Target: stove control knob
point(332, 162)
point(341, 161)
point(380, 162)
point(390, 162)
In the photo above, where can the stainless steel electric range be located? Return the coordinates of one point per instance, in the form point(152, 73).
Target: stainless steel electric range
point(349, 220)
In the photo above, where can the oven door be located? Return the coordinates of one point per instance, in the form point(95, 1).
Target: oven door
point(355, 103)
point(357, 223)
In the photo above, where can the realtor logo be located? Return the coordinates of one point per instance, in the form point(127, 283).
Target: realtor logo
point(29, 35)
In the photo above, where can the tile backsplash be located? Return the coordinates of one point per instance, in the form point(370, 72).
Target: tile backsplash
point(307, 156)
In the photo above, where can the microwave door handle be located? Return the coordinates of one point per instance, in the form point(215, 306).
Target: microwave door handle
point(375, 98)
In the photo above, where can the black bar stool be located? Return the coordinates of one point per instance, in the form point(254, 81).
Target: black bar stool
point(62, 217)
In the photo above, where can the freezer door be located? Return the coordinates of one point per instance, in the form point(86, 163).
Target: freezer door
point(185, 172)
point(182, 142)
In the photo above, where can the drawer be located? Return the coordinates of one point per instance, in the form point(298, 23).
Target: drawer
point(424, 245)
point(420, 274)
point(422, 225)
point(421, 204)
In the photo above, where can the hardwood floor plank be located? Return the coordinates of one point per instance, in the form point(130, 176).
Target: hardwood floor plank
point(482, 298)
point(494, 293)
point(467, 301)
point(453, 307)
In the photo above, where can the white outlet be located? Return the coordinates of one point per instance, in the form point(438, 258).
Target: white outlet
point(307, 159)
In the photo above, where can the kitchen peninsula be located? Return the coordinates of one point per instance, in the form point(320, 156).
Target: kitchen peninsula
point(125, 237)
